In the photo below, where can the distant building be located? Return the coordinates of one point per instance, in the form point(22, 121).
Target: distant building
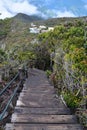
point(50, 28)
point(33, 25)
point(34, 30)
point(40, 29)
point(43, 31)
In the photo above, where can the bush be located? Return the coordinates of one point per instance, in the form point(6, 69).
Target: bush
point(48, 73)
point(71, 100)
point(82, 116)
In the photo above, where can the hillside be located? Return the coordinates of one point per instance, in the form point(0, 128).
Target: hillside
point(26, 18)
point(16, 30)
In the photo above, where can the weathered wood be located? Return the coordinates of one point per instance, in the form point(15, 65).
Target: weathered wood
point(39, 100)
point(25, 118)
point(41, 90)
point(37, 96)
point(43, 127)
point(44, 111)
point(34, 95)
point(39, 108)
point(39, 103)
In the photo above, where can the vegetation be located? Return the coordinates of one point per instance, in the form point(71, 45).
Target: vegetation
point(62, 52)
point(68, 44)
point(3, 56)
point(5, 27)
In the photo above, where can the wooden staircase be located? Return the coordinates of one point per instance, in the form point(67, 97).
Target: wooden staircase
point(39, 108)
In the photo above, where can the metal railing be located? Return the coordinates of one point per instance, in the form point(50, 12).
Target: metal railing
point(10, 100)
point(12, 95)
point(8, 85)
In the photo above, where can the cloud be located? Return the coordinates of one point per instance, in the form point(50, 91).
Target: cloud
point(23, 7)
point(57, 13)
point(85, 6)
point(9, 8)
point(3, 11)
point(65, 14)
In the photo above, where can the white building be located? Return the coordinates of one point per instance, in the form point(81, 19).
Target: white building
point(34, 30)
point(33, 25)
point(50, 28)
point(42, 27)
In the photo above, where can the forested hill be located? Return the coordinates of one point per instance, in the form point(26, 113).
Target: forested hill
point(16, 30)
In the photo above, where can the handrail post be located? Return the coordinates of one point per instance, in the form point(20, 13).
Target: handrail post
point(21, 74)
point(1, 72)
point(26, 73)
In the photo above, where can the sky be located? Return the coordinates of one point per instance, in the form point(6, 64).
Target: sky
point(44, 8)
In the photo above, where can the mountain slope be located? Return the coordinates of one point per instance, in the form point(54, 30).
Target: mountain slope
point(17, 28)
point(26, 18)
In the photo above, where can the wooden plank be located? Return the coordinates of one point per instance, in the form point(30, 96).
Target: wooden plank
point(43, 127)
point(45, 90)
point(39, 103)
point(39, 84)
point(45, 111)
point(38, 97)
point(25, 118)
point(34, 95)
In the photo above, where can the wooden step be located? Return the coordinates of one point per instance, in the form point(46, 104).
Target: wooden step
point(43, 127)
point(39, 108)
point(39, 97)
point(26, 118)
point(39, 103)
point(45, 111)
point(40, 86)
point(35, 94)
point(45, 90)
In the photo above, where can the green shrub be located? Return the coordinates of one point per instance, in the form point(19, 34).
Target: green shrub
point(1, 128)
point(82, 116)
point(71, 100)
point(48, 73)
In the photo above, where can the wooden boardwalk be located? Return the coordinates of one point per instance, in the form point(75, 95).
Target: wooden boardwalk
point(39, 108)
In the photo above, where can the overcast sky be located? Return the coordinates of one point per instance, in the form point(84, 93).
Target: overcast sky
point(9, 8)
